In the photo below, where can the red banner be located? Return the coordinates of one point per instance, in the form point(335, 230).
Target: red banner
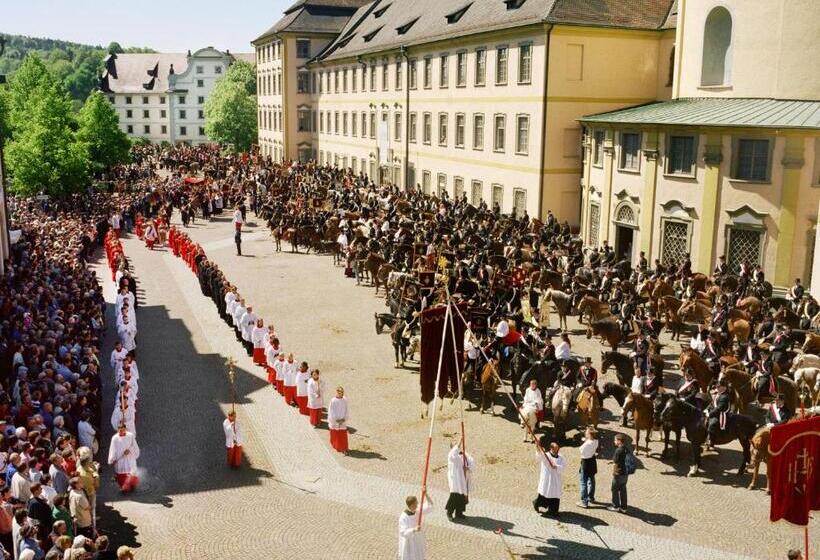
point(452, 359)
point(795, 451)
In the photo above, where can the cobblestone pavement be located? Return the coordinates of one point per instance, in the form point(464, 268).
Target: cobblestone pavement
point(297, 496)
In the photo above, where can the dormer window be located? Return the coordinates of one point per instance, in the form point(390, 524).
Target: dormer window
point(378, 13)
point(369, 37)
point(514, 4)
point(455, 16)
point(406, 27)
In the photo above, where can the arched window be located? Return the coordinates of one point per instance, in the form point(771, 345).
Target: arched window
point(717, 49)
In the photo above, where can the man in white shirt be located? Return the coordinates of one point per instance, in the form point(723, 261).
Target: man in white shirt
point(233, 440)
point(128, 335)
point(118, 354)
point(239, 311)
point(460, 467)
point(248, 321)
point(316, 392)
point(412, 544)
point(123, 455)
point(532, 407)
point(337, 417)
point(550, 479)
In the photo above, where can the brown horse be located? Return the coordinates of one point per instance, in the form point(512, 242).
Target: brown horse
point(589, 407)
point(760, 454)
point(593, 309)
point(382, 274)
point(740, 383)
point(701, 370)
point(608, 330)
point(739, 329)
point(372, 265)
point(698, 281)
point(750, 304)
point(696, 311)
point(642, 416)
point(812, 343)
point(489, 385)
point(563, 306)
point(662, 288)
point(670, 305)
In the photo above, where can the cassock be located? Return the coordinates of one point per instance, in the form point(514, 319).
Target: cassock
point(279, 368)
point(271, 353)
point(302, 378)
point(127, 418)
point(258, 336)
point(533, 401)
point(412, 545)
point(117, 356)
point(315, 394)
point(289, 373)
point(337, 417)
point(549, 480)
point(128, 335)
point(459, 478)
point(233, 442)
point(125, 464)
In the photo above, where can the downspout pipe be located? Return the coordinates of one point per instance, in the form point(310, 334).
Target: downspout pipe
point(544, 123)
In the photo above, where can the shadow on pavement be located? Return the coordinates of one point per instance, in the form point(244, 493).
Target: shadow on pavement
point(563, 549)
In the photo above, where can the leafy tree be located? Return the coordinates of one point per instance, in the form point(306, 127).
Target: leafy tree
point(23, 86)
point(100, 131)
point(230, 115)
point(243, 73)
point(43, 154)
point(114, 48)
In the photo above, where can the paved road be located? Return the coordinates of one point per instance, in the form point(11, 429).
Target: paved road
point(296, 496)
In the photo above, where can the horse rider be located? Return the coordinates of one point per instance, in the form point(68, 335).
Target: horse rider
point(605, 287)
point(588, 378)
point(795, 294)
point(780, 344)
point(566, 377)
point(764, 375)
point(765, 329)
point(689, 389)
point(808, 311)
point(652, 384)
point(627, 315)
point(641, 353)
point(751, 354)
point(722, 269)
point(778, 413)
point(698, 342)
point(719, 408)
point(577, 290)
point(616, 299)
point(711, 354)
point(643, 264)
point(720, 318)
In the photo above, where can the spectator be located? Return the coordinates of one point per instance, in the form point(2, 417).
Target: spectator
point(80, 508)
point(619, 476)
point(589, 467)
point(60, 513)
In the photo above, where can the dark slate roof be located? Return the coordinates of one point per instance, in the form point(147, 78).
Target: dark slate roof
point(314, 16)
point(717, 111)
point(375, 26)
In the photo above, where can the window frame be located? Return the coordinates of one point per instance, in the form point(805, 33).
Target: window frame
point(444, 70)
point(667, 170)
point(479, 147)
point(736, 156)
point(427, 73)
point(623, 153)
point(528, 79)
point(503, 118)
point(598, 147)
point(505, 66)
point(446, 123)
point(518, 150)
point(412, 132)
point(463, 127)
point(427, 128)
point(480, 67)
point(461, 80)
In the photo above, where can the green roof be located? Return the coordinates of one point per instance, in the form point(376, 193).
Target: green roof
point(716, 111)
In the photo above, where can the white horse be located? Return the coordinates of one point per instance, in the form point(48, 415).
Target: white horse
point(529, 419)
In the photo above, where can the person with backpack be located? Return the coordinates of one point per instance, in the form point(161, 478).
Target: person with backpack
point(623, 465)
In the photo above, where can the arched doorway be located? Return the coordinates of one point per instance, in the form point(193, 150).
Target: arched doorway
point(626, 223)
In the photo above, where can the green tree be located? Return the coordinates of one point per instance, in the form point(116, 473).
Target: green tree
point(243, 73)
point(230, 115)
point(43, 153)
point(100, 131)
point(114, 48)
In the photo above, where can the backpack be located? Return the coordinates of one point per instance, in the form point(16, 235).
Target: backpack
point(630, 463)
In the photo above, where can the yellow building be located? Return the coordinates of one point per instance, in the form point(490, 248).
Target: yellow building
point(728, 167)
point(480, 99)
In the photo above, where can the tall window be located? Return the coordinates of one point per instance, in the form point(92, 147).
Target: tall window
point(428, 73)
point(442, 129)
point(364, 124)
point(630, 150)
point(373, 124)
point(353, 124)
point(336, 122)
point(499, 133)
point(443, 71)
point(425, 181)
point(397, 126)
point(681, 155)
point(385, 74)
point(458, 187)
point(372, 76)
point(480, 66)
point(344, 80)
point(598, 148)
point(344, 123)
point(498, 196)
point(752, 160)
point(412, 74)
point(476, 189)
point(522, 136)
point(354, 79)
point(398, 74)
point(524, 63)
point(303, 120)
point(442, 184)
point(412, 124)
point(460, 130)
point(461, 69)
point(427, 128)
point(716, 69)
point(302, 82)
point(501, 66)
point(478, 132)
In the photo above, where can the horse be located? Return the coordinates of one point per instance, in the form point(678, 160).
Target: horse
point(382, 275)
point(701, 370)
point(608, 330)
point(529, 422)
point(739, 329)
point(589, 408)
point(561, 403)
point(812, 343)
point(399, 341)
point(519, 364)
point(740, 383)
point(617, 392)
point(563, 305)
point(384, 320)
point(678, 412)
point(668, 426)
point(751, 305)
point(489, 384)
point(593, 309)
point(662, 288)
point(624, 367)
point(695, 310)
point(372, 264)
point(760, 454)
point(671, 305)
point(545, 372)
point(642, 417)
point(738, 427)
point(698, 281)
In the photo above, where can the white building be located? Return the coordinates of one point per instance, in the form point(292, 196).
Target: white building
point(161, 96)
